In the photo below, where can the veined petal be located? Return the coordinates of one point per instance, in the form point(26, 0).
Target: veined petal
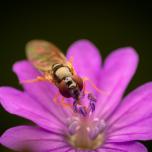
point(42, 92)
point(133, 119)
point(123, 147)
point(33, 138)
point(86, 60)
point(21, 104)
point(118, 70)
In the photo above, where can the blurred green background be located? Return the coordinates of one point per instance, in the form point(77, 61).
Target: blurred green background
point(108, 25)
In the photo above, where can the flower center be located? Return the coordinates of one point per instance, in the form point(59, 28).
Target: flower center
point(86, 132)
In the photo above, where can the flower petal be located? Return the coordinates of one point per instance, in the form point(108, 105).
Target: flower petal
point(33, 138)
point(133, 119)
point(86, 60)
point(20, 103)
point(118, 70)
point(42, 92)
point(123, 147)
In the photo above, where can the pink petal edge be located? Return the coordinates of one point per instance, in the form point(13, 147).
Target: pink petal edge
point(34, 138)
point(123, 147)
point(133, 119)
point(119, 68)
point(21, 104)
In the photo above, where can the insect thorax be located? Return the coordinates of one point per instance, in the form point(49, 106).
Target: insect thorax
point(60, 72)
point(69, 85)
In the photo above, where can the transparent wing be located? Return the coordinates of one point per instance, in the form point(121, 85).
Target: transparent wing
point(43, 54)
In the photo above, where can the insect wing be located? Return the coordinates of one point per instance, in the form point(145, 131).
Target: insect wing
point(43, 54)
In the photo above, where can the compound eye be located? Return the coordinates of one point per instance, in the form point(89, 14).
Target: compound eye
point(78, 80)
point(64, 90)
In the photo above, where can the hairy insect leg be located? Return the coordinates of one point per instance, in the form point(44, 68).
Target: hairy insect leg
point(65, 104)
point(56, 98)
point(70, 65)
point(84, 91)
point(37, 79)
point(94, 86)
point(46, 77)
point(61, 102)
point(71, 59)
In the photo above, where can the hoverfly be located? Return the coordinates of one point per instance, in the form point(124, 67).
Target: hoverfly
point(49, 60)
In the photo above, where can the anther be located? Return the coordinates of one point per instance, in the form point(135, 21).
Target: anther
point(93, 133)
point(86, 133)
point(97, 128)
point(91, 97)
point(74, 127)
point(101, 125)
point(92, 102)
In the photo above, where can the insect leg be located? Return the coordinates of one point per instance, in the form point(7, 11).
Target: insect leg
point(71, 59)
point(37, 79)
point(94, 86)
point(70, 65)
point(61, 102)
point(64, 104)
point(46, 77)
point(55, 98)
point(84, 91)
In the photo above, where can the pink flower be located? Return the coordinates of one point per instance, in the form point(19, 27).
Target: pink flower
point(116, 124)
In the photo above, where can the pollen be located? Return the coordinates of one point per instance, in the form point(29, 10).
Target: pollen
point(85, 133)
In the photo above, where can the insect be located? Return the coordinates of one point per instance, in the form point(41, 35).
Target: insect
point(55, 68)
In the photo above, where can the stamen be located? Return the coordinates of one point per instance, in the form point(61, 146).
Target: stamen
point(92, 102)
point(93, 133)
point(74, 127)
point(80, 109)
point(85, 133)
point(97, 128)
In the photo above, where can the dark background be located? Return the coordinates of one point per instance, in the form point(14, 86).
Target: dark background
point(108, 25)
